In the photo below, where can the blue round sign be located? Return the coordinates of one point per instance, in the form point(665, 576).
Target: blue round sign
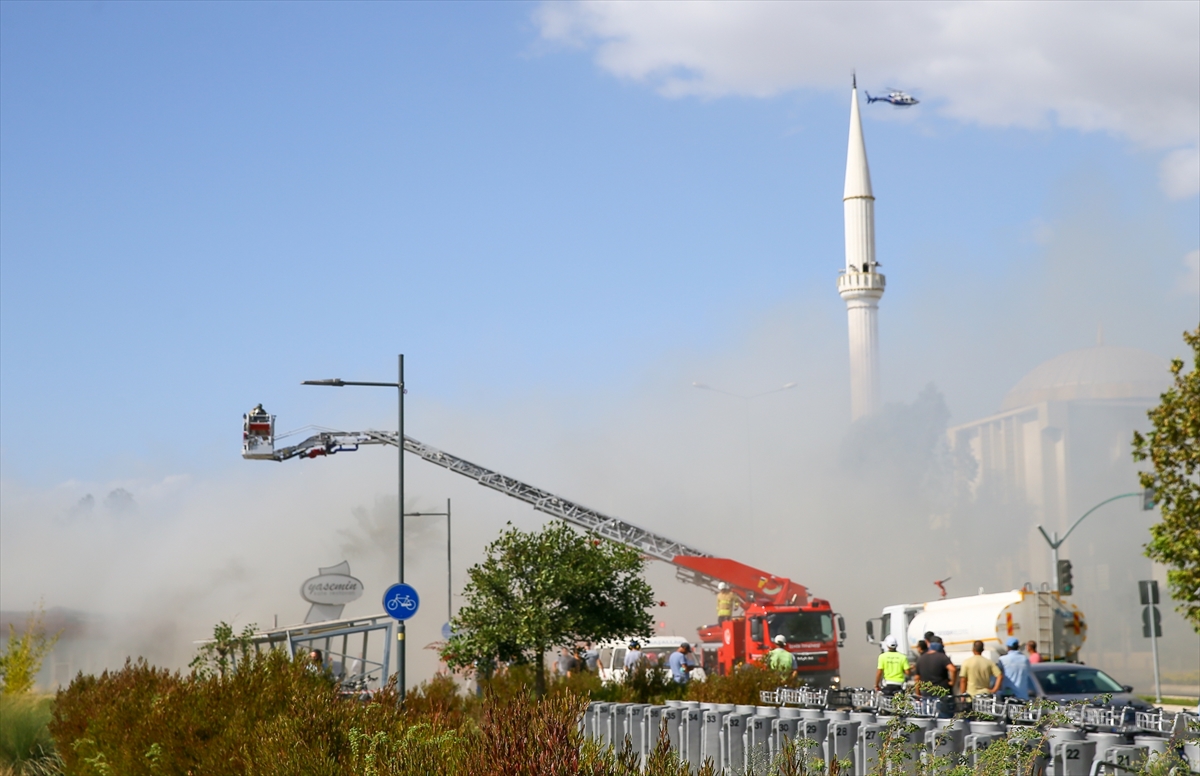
point(401, 601)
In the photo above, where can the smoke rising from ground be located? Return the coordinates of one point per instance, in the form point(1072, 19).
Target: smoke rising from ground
point(865, 516)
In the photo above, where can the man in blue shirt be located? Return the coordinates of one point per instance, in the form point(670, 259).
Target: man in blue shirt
point(1018, 679)
point(681, 664)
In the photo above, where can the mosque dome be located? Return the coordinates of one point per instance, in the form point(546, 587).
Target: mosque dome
point(1102, 372)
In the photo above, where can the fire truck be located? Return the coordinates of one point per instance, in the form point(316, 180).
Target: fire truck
point(772, 606)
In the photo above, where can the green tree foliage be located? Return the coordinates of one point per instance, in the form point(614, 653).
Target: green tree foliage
point(1173, 449)
point(23, 654)
point(537, 591)
point(223, 652)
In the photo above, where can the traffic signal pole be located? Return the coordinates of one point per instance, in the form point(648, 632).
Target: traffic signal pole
point(1147, 496)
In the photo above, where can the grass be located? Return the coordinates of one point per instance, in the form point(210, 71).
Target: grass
point(1171, 701)
point(25, 743)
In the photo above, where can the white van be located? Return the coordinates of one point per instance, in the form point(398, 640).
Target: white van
point(657, 650)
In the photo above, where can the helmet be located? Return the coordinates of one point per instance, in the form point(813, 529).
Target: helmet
point(722, 586)
point(890, 642)
point(780, 640)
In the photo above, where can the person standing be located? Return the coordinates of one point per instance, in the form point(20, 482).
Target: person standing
point(1034, 656)
point(634, 656)
point(934, 668)
point(565, 663)
point(591, 659)
point(1018, 679)
point(892, 668)
point(681, 664)
point(979, 675)
point(779, 659)
point(726, 600)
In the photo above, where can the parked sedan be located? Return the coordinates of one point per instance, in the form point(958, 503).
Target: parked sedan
point(1072, 682)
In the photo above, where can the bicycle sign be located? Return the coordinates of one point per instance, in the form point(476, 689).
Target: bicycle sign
point(401, 601)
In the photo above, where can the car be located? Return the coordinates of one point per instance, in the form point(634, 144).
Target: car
point(1075, 682)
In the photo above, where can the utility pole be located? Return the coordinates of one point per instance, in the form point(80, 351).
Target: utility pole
point(399, 386)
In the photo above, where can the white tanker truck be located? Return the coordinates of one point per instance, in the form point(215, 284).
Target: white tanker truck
point(1057, 626)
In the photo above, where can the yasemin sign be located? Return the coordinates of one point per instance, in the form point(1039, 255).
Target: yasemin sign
point(329, 592)
point(331, 589)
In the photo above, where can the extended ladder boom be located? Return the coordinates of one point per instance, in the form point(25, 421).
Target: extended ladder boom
point(646, 542)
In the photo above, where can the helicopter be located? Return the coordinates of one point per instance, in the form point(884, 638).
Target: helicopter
point(895, 97)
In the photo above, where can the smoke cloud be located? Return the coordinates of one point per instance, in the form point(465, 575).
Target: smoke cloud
point(865, 515)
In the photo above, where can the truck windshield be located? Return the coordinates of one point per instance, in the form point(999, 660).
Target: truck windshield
point(800, 626)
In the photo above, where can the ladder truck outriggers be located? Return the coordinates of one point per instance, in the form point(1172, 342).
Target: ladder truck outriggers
point(771, 605)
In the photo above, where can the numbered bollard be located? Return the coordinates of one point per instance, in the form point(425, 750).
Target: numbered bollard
point(976, 743)
point(588, 723)
point(784, 729)
point(671, 718)
point(867, 756)
point(815, 730)
point(759, 731)
point(733, 748)
point(604, 723)
point(1073, 757)
point(620, 725)
point(637, 728)
point(710, 735)
point(1104, 742)
point(843, 736)
point(692, 736)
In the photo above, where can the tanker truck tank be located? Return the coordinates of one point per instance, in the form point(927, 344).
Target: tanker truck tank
point(1058, 627)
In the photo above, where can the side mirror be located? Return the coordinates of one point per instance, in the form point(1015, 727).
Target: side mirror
point(1127, 687)
point(871, 631)
point(841, 631)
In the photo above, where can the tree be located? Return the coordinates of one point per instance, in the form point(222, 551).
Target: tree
point(22, 657)
point(553, 588)
point(1173, 448)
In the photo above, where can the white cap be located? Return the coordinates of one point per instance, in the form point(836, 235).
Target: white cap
point(722, 586)
point(780, 640)
point(890, 642)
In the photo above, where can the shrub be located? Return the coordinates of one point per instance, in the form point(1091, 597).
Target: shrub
point(23, 654)
point(744, 685)
point(25, 744)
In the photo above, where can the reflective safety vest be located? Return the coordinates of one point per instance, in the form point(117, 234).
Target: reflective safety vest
point(780, 660)
point(725, 603)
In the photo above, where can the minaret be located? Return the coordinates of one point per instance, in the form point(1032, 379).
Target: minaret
point(860, 283)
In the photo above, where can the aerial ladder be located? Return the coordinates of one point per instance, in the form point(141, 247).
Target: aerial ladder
point(759, 591)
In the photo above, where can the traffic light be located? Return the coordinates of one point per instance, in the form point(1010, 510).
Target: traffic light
point(1065, 585)
point(1149, 499)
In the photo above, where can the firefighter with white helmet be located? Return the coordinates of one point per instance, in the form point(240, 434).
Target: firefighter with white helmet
point(892, 668)
point(726, 600)
point(780, 659)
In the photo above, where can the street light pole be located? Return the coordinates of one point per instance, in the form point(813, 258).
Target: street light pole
point(399, 386)
point(1055, 543)
point(449, 585)
point(400, 624)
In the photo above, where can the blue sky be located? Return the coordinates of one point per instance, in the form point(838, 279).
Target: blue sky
point(203, 204)
point(563, 215)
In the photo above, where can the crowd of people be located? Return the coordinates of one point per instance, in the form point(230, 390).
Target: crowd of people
point(978, 675)
point(681, 662)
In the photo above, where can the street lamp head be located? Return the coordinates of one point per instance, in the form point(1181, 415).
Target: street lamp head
point(336, 382)
point(700, 385)
point(790, 385)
